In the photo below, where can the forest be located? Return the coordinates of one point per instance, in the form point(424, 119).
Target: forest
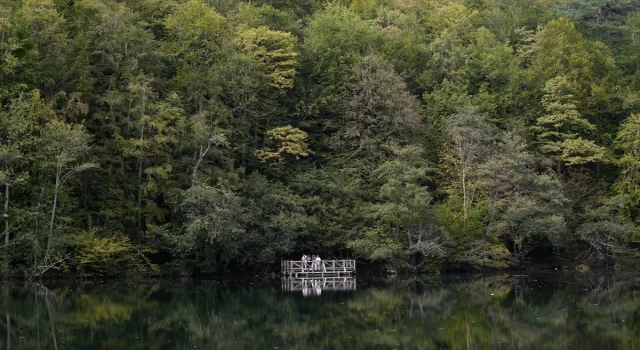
point(218, 136)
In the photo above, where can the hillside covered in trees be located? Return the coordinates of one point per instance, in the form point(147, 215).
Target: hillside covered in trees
point(211, 136)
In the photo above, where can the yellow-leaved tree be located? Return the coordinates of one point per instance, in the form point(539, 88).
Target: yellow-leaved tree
point(272, 51)
point(288, 142)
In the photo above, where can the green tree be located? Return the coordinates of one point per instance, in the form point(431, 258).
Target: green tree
point(524, 207)
point(214, 233)
point(47, 59)
point(16, 139)
point(195, 33)
point(153, 130)
point(335, 39)
point(606, 229)
point(561, 132)
point(272, 51)
point(403, 229)
point(64, 145)
point(276, 222)
point(602, 19)
point(112, 255)
point(283, 20)
point(471, 141)
point(628, 141)
point(631, 51)
point(376, 109)
point(560, 50)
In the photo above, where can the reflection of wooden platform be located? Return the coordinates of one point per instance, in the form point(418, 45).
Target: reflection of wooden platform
point(315, 286)
point(324, 268)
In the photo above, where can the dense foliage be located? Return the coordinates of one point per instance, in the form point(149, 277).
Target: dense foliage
point(209, 136)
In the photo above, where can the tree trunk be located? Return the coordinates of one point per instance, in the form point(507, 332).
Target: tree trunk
point(141, 157)
point(140, 166)
point(6, 209)
point(201, 154)
point(53, 215)
point(36, 242)
point(464, 195)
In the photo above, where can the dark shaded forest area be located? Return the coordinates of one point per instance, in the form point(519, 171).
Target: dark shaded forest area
point(219, 136)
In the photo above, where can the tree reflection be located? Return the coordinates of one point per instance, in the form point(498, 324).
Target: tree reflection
point(501, 312)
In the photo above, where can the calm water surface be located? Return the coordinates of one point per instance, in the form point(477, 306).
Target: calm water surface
point(555, 311)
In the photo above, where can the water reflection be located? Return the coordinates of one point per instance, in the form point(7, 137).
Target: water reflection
point(499, 312)
point(315, 286)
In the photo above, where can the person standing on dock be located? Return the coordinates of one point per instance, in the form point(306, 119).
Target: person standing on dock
point(318, 262)
point(304, 262)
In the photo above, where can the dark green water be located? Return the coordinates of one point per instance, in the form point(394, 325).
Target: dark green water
point(556, 311)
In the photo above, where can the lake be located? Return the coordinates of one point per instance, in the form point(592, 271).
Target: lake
point(547, 311)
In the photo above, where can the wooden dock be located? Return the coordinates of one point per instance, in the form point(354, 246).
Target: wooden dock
point(323, 268)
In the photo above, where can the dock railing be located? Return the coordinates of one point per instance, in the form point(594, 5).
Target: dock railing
point(299, 268)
